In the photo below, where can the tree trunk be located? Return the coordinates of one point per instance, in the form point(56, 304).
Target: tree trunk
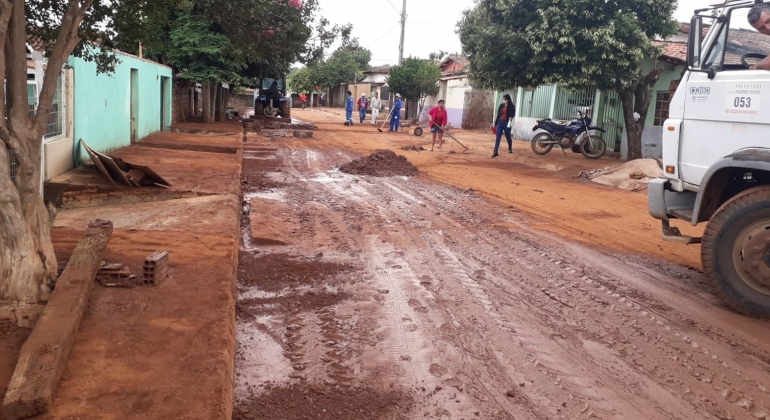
point(206, 91)
point(636, 100)
point(213, 104)
point(28, 267)
point(221, 103)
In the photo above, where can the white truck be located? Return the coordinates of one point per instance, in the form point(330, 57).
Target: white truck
point(716, 155)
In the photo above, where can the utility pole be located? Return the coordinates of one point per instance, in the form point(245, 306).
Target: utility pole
point(403, 29)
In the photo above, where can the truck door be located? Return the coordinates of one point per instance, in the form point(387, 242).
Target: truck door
point(727, 112)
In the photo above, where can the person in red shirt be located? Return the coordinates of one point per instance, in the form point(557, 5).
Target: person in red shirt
point(438, 121)
point(303, 98)
point(362, 104)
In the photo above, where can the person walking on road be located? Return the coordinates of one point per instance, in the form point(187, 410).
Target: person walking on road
point(349, 109)
point(395, 117)
point(303, 98)
point(438, 121)
point(376, 104)
point(362, 103)
point(322, 99)
point(504, 122)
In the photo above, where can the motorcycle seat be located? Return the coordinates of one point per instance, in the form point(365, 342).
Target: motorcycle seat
point(555, 126)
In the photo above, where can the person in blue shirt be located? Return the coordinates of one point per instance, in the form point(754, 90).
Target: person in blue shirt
point(349, 109)
point(395, 118)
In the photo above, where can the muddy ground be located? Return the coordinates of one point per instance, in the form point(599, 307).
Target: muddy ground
point(409, 298)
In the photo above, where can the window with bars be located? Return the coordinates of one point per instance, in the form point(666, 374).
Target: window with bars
point(55, 125)
point(662, 102)
point(32, 98)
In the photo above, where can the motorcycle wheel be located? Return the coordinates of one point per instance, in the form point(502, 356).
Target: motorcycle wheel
point(593, 147)
point(538, 147)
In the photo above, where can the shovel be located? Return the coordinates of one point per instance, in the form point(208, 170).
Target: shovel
point(386, 120)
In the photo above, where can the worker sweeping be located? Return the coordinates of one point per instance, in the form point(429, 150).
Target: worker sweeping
point(395, 119)
point(438, 121)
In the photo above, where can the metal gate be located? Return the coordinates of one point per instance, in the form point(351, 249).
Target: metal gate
point(478, 106)
point(611, 119)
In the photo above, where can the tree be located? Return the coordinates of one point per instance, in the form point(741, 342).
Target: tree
point(207, 57)
point(415, 79)
point(302, 80)
point(28, 267)
point(437, 55)
point(572, 42)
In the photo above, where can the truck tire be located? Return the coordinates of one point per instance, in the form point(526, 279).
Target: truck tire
point(735, 252)
point(286, 109)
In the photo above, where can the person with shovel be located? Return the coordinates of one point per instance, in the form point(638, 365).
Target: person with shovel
point(395, 118)
point(438, 121)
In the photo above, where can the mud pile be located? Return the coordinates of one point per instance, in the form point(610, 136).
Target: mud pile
point(381, 163)
point(306, 401)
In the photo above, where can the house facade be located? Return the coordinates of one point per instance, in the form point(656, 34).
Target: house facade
point(107, 111)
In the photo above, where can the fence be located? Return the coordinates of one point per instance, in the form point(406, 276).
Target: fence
point(610, 118)
point(562, 103)
point(536, 102)
point(570, 101)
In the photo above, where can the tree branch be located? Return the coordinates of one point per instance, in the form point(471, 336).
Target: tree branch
point(5, 16)
point(61, 52)
point(16, 68)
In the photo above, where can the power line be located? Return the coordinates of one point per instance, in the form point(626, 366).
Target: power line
point(394, 7)
point(386, 34)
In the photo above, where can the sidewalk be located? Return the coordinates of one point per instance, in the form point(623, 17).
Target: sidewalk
point(166, 351)
point(545, 186)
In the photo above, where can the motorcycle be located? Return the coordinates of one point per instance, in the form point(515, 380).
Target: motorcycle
point(574, 135)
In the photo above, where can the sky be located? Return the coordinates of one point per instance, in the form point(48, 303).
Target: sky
point(430, 24)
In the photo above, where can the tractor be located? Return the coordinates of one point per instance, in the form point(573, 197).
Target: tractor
point(271, 99)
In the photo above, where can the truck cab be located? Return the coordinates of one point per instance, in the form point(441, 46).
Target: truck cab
point(716, 154)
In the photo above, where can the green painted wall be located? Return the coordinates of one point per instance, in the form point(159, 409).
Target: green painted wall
point(670, 73)
point(102, 114)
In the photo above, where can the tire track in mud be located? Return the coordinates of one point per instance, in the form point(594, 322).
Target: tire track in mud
point(458, 300)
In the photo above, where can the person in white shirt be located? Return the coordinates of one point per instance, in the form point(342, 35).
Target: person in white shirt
point(376, 104)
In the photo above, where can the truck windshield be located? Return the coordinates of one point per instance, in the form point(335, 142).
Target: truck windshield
point(741, 39)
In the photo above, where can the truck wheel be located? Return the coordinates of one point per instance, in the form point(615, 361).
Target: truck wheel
point(286, 109)
point(736, 252)
point(259, 109)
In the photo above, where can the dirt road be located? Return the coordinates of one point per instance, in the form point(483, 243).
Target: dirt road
point(379, 298)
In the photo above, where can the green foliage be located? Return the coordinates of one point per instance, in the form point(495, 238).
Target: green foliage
point(44, 18)
point(204, 54)
point(415, 78)
point(437, 55)
point(573, 42)
point(301, 80)
point(344, 65)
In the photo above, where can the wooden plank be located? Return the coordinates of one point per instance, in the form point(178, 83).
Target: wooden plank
point(113, 168)
point(97, 162)
point(44, 356)
point(150, 174)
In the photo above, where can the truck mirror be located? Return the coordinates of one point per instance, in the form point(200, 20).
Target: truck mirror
point(694, 42)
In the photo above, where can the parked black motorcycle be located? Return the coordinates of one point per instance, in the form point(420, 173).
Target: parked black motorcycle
point(574, 135)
